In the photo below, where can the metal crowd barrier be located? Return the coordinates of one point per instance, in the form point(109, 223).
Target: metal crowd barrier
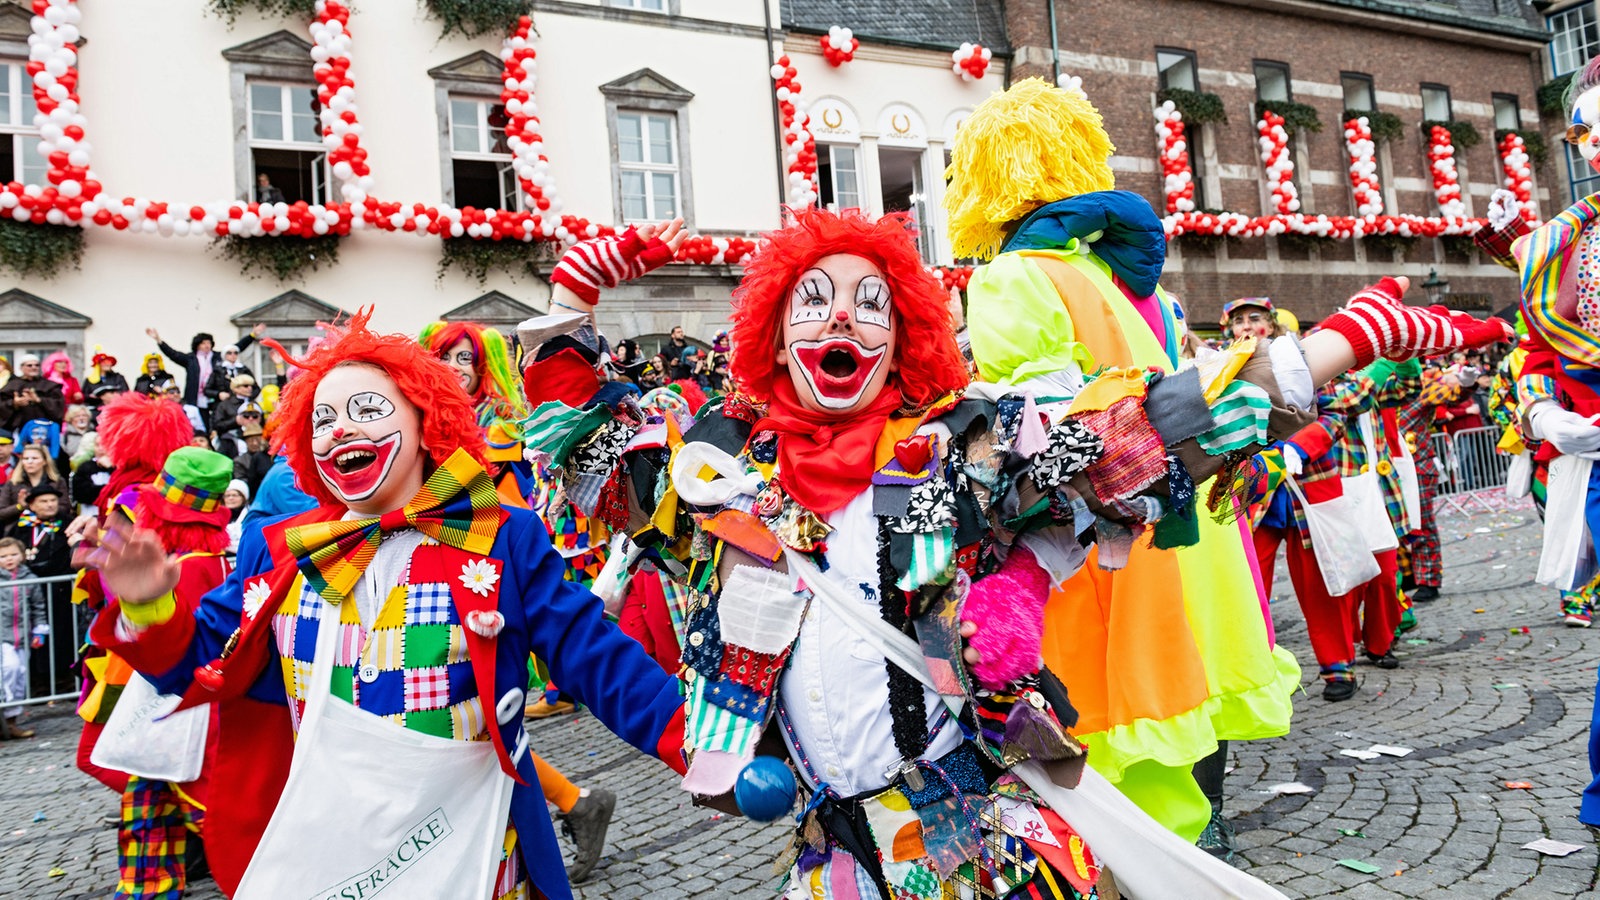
point(1469, 463)
point(51, 665)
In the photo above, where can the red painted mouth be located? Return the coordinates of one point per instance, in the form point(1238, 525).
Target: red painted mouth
point(356, 468)
point(838, 369)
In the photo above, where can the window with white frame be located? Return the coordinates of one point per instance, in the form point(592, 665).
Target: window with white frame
point(647, 171)
point(1574, 38)
point(1436, 103)
point(19, 151)
point(839, 176)
point(288, 162)
point(1358, 93)
point(1178, 69)
point(482, 175)
point(1507, 112)
point(646, 5)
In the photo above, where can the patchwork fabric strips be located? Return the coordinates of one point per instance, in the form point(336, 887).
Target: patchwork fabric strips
point(1241, 419)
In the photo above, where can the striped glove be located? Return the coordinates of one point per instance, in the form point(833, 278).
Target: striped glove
point(587, 266)
point(1376, 324)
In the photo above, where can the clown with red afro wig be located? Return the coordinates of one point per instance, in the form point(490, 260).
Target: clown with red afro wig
point(927, 361)
point(448, 420)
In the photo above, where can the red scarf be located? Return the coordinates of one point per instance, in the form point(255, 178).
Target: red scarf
point(825, 459)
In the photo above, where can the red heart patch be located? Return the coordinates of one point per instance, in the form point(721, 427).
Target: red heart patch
point(913, 453)
point(209, 677)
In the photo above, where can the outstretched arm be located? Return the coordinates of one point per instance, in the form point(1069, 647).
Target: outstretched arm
point(1375, 323)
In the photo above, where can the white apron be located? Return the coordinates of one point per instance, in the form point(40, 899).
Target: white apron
point(371, 806)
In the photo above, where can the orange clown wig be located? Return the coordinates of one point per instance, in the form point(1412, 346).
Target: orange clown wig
point(928, 362)
point(448, 421)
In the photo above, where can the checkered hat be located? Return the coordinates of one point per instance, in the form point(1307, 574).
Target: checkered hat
point(190, 487)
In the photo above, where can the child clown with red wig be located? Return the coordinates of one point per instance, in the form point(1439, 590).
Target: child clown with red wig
point(394, 624)
point(870, 541)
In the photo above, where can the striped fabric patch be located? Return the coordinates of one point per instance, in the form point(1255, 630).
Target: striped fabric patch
point(710, 727)
point(931, 555)
point(1544, 255)
point(1241, 415)
point(555, 428)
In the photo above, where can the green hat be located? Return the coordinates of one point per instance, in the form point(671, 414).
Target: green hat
point(190, 487)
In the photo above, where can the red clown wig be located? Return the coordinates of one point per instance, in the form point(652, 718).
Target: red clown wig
point(448, 422)
point(138, 433)
point(929, 362)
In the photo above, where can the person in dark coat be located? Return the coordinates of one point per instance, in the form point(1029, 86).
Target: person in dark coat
point(199, 361)
point(29, 395)
point(219, 386)
point(102, 381)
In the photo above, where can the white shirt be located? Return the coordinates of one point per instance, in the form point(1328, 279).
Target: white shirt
point(836, 689)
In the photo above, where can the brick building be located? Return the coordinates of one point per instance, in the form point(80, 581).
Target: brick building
point(1477, 62)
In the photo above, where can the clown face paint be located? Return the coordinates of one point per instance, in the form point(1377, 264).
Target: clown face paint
point(1250, 321)
point(366, 439)
point(1584, 132)
point(464, 360)
point(838, 341)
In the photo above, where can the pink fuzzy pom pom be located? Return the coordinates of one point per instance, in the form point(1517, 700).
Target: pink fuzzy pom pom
point(1008, 608)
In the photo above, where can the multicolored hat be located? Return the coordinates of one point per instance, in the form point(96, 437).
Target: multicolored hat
point(1263, 302)
point(190, 487)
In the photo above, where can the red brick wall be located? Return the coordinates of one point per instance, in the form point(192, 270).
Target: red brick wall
point(1229, 37)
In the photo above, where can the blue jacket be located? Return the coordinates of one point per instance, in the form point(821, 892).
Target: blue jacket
point(544, 614)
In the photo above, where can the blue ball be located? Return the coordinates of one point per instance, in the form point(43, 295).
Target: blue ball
point(765, 789)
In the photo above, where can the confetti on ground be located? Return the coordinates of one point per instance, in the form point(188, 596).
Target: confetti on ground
point(1552, 848)
point(1480, 610)
point(57, 872)
point(38, 817)
point(1507, 686)
point(1291, 787)
point(1417, 642)
point(1351, 832)
point(1522, 630)
point(1387, 750)
point(1360, 754)
point(1520, 785)
point(1365, 868)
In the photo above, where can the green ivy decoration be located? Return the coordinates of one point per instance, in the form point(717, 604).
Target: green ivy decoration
point(285, 257)
point(1296, 116)
point(1389, 243)
point(1462, 135)
point(1552, 95)
point(476, 18)
point(1532, 141)
point(1197, 107)
point(1385, 126)
point(1305, 242)
point(1458, 244)
point(39, 250)
point(230, 10)
point(477, 258)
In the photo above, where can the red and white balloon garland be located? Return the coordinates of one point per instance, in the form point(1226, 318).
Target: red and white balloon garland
point(336, 92)
point(52, 64)
point(1274, 143)
point(1518, 169)
point(799, 145)
point(1177, 174)
point(1442, 166)
point(839, 46)
point(970, 61)
point(1362, 150)
point(1228, 224)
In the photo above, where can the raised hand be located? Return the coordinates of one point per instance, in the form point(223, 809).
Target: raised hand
point(133, 565)
point(1376, 323)
point(153, 335)
point(590, 265)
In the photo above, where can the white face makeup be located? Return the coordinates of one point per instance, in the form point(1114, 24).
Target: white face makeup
point(1585, 127)
point(838, 342)
point(366, 439)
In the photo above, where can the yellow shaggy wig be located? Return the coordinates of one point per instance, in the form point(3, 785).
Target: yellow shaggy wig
point(1020, 149)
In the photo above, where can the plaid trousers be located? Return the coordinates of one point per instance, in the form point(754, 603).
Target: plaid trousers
point(152, 840)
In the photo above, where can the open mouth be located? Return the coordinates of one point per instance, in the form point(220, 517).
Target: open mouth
point(356, 468)
point(838, 369)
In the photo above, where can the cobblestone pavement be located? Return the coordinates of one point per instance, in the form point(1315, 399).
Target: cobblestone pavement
point(1480, 702)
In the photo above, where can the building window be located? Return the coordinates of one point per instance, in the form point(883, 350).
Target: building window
point(1507, 113)
point(1583, 178)
point(288, 163)
point(19, 153)
point(1358, 93)
point(480, 162)
point(1574, 38)
point(646, 5)
point(839, 176)
point(647, 156)
point(1177, 69)
point(1272, 81)
point(1436, 103)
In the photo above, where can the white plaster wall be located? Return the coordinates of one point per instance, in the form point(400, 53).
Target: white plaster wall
point(879, 77)
point(161, 125)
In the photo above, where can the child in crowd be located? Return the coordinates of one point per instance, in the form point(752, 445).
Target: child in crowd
point(22, 623)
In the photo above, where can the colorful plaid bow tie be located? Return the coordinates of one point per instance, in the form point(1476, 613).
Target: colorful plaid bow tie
point(457, 506)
